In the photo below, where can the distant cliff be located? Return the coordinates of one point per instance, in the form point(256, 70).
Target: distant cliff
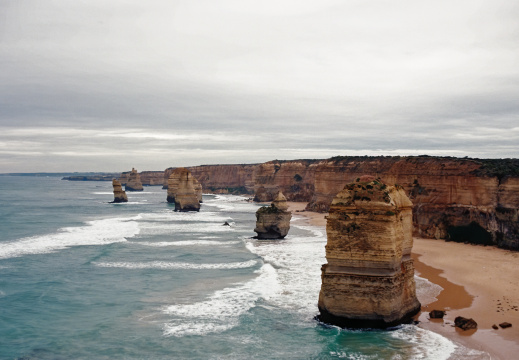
point(221, 179)
point(148, 178)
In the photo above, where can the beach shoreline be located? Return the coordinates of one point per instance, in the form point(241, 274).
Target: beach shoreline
point(478, 282)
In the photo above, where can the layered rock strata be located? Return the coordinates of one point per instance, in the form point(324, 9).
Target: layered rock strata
point(221, 179)
point(273, 222)
point(181, 191)
point(134, 182)
point(119, 193)
point(369, 278)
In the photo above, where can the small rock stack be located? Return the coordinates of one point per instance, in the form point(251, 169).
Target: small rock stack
point(119, 194)
point(181, 190)
point(369, 278)
point(273, 222)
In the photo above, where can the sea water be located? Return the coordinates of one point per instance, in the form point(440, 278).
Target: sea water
point(81, 278)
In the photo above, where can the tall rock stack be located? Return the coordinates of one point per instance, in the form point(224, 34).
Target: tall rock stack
point(119, 194)
point(273, 222)
point(181, 191)
point(369, 278)
point(134, 182)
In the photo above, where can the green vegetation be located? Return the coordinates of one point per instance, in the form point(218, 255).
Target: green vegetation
point(500, 168)
point(268, 210)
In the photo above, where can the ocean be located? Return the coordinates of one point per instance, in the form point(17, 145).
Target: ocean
point(81, 278)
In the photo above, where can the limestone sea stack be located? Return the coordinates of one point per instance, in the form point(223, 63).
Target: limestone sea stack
point(369, 278)
point(119, 194)
point(273, 222)
point(181, 190)
point(134, 182)
point(198, 189)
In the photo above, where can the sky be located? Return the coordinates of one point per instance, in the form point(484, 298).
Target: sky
point(96, 85)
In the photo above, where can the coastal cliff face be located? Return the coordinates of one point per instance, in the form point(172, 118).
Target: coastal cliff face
point(458, 199)
point(294, 178)
point(148, 178)
point(221, 179)
point(369, 278)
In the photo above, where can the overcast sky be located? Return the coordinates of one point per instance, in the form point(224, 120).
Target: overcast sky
point(96, 85)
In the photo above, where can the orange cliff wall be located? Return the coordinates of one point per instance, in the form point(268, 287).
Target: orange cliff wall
point(221, 179)
point(450, 195)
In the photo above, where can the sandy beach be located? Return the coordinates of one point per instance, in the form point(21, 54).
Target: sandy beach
point(478, 282)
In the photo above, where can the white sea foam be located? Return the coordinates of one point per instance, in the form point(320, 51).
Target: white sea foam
point(426, 344)
point(176, 265)
point(298, 262)
point(96, 232)
point(221, 310)
point(426, 291)
point(187, 243)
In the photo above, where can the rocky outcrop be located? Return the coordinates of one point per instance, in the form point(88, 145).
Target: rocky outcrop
point(181, 191)
point(273, 222)
point(369, 278)
point(134, 181)
point(119, 194)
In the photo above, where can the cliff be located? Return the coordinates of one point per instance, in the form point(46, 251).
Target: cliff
point(460, 199)
point(475, 200)
point(148, 178)
point(221, 179)
point(369, 278)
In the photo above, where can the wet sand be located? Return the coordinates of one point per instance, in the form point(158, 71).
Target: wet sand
point(478, 282)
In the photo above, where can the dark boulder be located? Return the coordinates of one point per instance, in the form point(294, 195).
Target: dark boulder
point(465, 324)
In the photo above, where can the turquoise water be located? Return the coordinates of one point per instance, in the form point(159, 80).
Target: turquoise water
point(84, 279)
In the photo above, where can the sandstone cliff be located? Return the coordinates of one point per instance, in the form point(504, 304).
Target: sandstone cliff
point(119, 194)
point(181, 190)
point(369, 278)
point(222, 179)
point(461, 199)
point(134, 181)
point(273, 222)
point(148, 178)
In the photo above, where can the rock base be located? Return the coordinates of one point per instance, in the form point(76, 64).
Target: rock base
point(355, 323)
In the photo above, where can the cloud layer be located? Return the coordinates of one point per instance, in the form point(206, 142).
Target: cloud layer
point(96, 85)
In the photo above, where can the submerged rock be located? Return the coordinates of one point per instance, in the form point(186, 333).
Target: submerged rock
point(119, 194)
point(181, 190)
point(273, 222)
point(369, 278)
point(134, 182)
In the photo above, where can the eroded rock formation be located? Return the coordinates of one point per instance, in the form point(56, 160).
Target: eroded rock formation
point(134, 182)
point(369, 278)
point(119, 194)
point(181, 190)
point(273, 222)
